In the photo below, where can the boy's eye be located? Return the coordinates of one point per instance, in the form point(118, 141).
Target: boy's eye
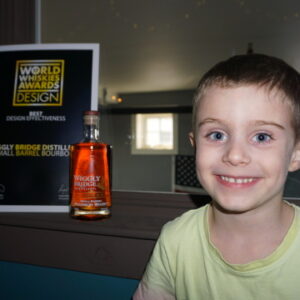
point(217, 136)
point(262, 138)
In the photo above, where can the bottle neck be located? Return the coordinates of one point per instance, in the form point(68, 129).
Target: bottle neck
point(91, 133)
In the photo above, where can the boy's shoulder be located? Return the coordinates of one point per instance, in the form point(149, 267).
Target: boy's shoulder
point(187, 223)
point(189, 216)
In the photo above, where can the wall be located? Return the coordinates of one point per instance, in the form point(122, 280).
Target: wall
point(17, 22)
point(145, 172)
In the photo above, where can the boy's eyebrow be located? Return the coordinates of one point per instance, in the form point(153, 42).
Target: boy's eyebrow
point(209, 120)
point(257, 123)
point(262, 122)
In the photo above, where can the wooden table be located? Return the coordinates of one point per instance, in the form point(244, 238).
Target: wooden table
point(118, 246)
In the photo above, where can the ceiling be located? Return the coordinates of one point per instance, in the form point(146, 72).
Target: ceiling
point(163, 45)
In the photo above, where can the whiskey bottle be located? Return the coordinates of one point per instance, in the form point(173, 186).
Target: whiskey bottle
point(90, 193)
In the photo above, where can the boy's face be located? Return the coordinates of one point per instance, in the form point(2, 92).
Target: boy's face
point(245, 146)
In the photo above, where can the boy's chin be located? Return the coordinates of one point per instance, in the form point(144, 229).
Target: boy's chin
point(231, 208)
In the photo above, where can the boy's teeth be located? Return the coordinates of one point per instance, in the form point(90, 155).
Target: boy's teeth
point(236, 180)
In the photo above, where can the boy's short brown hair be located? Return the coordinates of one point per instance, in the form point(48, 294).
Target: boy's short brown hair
point(255, 69)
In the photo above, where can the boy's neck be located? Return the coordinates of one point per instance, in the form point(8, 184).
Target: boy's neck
point(261, 218)
point(252, 235)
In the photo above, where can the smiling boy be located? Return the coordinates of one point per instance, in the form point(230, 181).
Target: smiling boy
point(245, 244)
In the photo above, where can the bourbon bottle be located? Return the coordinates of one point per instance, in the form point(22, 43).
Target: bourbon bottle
point(90, 194)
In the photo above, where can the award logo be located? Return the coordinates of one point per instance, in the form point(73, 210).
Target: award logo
point(39, 83)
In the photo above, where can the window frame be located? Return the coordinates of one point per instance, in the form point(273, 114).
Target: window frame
point(138, 151)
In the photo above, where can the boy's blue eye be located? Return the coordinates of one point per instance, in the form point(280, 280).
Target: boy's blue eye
point(217, 136)
point(262, 138)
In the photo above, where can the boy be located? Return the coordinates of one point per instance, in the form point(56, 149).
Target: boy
point(245, 244)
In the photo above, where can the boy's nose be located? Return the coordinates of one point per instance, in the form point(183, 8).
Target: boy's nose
point(236, 153)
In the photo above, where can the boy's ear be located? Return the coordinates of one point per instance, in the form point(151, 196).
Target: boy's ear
point(192, 139)
point(295, 161)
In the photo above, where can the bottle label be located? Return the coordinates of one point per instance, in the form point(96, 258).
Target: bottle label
point(89, 189)
point(90, 178)
point(86, 183)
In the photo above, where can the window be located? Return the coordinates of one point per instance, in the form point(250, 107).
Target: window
point(154, 133)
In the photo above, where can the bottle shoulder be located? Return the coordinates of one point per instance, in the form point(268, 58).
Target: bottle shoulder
point(88, 145)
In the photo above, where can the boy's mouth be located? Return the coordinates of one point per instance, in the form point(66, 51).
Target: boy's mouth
point(241, 181)
point(237, 180)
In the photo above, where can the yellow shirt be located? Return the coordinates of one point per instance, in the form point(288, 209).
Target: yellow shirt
point(186, 266)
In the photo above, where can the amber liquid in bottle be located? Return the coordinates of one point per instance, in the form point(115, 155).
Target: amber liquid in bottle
point(90, 179)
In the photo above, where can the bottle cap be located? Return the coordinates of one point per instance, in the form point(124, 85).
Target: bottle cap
point(91, 117)
point(91, 112)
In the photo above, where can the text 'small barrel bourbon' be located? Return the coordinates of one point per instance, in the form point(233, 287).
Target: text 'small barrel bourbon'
point(90, 193)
